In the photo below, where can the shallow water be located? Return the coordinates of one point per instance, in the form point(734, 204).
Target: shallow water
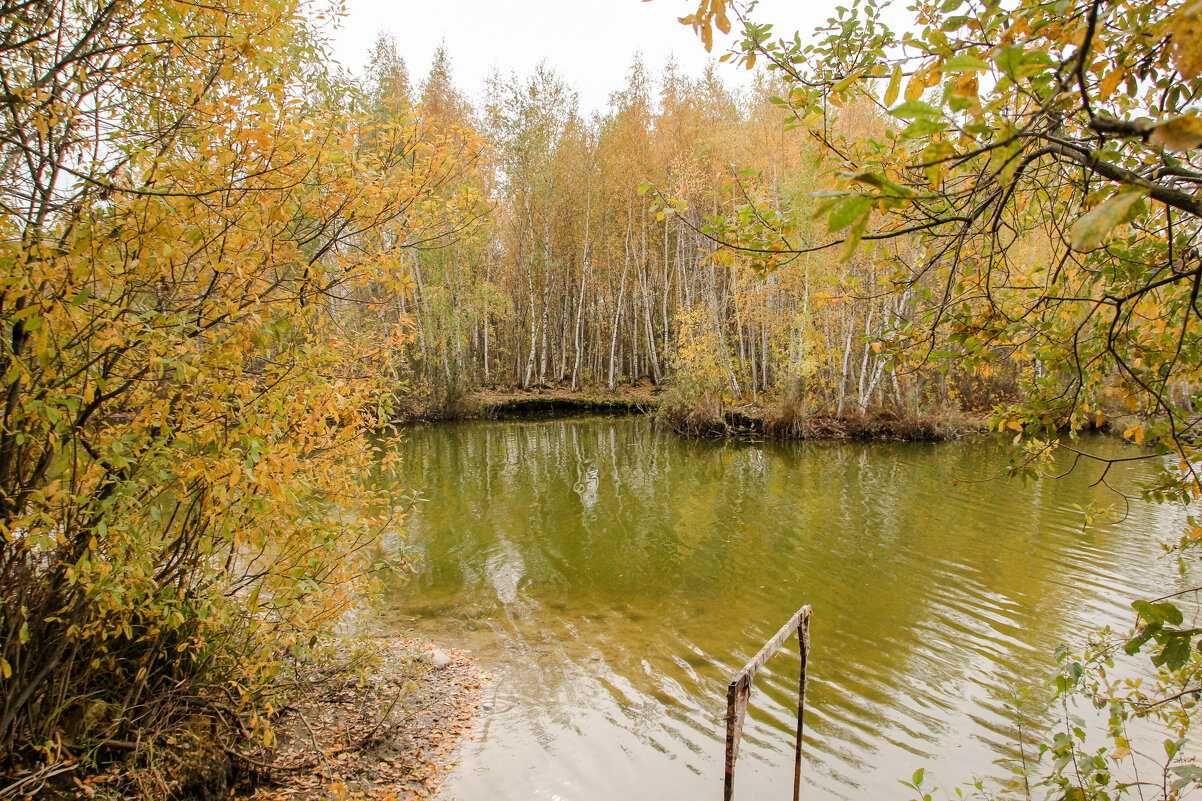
point(615, 578)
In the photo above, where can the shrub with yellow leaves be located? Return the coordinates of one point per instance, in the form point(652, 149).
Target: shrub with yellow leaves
point(189, 201)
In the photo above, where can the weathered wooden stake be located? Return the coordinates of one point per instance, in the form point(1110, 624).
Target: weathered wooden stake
point(739, 691)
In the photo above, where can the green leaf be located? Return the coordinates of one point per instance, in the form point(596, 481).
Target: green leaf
point(870, 178)
point(1190, 773)
point(1093, 228)
point(1147, 612)
point(1170, 613)
point(1009, 60)
point(959, 102)
point(914, 109)
point(847, 212)
point(923, 127)
point(1174, 654)
point(854, 235)
point(964, 62)
point(1004, 155)
point(887, 187)
point(827, 205)
point(1139, 640)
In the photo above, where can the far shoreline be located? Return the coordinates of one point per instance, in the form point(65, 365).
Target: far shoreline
point(770, 419)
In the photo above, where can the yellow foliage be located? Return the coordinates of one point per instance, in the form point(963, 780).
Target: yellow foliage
point(698, 361)
point(185, 441)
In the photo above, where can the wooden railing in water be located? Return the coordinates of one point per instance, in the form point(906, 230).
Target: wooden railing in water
point(739, 692)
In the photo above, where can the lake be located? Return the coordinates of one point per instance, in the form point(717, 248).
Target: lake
point(614, 577)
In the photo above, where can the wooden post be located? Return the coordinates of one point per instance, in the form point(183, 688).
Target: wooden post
point(739, 692)
point(803, 646)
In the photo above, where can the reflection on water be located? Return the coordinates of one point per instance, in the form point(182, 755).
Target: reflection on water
point(616, 578)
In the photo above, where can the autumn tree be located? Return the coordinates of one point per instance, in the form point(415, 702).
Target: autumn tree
point(188, 204)
point(429, 138)
point(529, 120)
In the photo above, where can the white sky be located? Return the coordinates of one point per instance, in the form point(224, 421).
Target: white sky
point(591, 43)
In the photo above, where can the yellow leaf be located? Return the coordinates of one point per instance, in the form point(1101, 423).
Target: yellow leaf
point(1181, 134)
point(720, 18)
point(894, 86)
point(1136, 433)
point(1092, 229)
point(1121, 748)
point(915, 87)
point(936, 157)
point(966, 88)
point(1110, 83)
point(847, 82)
point(1187, 39)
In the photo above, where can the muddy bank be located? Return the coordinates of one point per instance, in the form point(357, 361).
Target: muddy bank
point(384, 727)
point(390, 733)
point(772, 420)
point(769, 421)
point(560, 403)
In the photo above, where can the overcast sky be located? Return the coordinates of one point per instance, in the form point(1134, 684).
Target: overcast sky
point(589, 42)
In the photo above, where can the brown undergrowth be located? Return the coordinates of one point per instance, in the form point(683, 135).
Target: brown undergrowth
point(775, 418)
point(782, 421)
point(777, 423)
point(707, 416)
point(388, 735)
point(382, 726)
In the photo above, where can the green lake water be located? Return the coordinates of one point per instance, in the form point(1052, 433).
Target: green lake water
point(614, 578)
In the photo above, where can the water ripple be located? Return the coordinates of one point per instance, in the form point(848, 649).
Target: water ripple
point(616, 577)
